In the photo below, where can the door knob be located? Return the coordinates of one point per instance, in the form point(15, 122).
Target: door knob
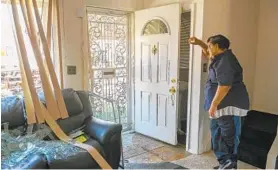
point(173, 80)
point(154, 49)
point(172, 90)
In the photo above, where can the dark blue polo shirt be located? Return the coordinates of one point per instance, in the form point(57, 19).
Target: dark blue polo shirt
point(225, 70)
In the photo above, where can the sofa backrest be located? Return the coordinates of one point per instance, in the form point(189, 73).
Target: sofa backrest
point(12, 111)
point(77, 103)
point(73, 103)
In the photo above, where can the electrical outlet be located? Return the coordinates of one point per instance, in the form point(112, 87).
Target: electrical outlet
point(71, 70)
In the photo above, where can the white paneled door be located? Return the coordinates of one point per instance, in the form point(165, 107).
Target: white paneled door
point(156, 72)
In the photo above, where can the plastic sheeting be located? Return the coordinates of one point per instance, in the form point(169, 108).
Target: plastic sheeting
point(15, 149)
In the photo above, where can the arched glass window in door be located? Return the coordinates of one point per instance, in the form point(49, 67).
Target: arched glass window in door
point(155, 26)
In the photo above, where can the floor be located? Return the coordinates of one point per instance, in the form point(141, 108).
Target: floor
point(141, 149)
point(206, 161)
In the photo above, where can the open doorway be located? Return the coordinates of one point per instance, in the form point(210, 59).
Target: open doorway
point(148, 148)
point(163, 62)
point(183, 75)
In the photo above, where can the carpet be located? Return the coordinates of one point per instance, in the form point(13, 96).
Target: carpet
point(161, 165)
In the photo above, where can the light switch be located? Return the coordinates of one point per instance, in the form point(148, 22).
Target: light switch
point(79, 12)
point(205, 67)
point(71, 70)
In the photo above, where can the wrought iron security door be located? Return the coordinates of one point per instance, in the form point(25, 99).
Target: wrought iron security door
point(108, 45)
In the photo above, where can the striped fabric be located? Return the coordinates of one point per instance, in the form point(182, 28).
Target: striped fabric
point(230, 110)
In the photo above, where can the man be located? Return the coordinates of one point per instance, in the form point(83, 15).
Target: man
point(226, 98)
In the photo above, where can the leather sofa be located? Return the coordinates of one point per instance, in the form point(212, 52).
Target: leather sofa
point(104, 136)
point(257, 135)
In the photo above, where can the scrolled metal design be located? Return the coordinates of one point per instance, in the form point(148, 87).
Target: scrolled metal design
point(108, 40)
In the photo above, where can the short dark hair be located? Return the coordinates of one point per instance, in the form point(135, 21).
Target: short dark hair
point(221, 40)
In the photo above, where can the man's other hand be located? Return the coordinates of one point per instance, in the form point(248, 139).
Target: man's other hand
point(194, 41)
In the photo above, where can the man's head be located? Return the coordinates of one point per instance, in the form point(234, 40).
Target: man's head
point(217, 44)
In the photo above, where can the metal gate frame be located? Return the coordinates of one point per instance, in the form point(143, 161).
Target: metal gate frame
point(129, 59)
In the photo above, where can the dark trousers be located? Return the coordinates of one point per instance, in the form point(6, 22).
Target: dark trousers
point(225, 134)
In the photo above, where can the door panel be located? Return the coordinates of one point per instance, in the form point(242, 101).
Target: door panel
point(156, 64)
point(162, 110)
point(145, 106)
point(162, 62)
point(146, 62)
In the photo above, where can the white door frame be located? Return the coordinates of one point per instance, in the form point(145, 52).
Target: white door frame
point(198, 135)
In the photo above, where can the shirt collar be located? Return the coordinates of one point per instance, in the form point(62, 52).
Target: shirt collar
point(219, 56)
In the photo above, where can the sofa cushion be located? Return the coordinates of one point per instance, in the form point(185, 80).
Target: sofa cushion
point(81, 160)
point(71, 123)
point(85, 99)
point(12, 111)
point(73, 103)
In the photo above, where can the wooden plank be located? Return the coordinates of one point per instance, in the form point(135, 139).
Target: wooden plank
point(24, 15)
point(48, 93)
point(57, 90)
point(48, 31)
point(49, 23)
point(25, 63)
point(60, 54)
point(29, 105)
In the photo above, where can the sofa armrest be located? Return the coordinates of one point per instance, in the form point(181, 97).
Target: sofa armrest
point(101, 130)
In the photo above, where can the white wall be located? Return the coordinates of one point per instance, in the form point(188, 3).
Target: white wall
point(236, 19)
point(266, 74)
point(156, 3)
point(127, 5)
point(72, 42)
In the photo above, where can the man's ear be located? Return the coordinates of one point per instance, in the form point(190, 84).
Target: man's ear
point(217, 46)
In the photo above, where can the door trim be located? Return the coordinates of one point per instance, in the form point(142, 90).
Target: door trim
point(190, 77)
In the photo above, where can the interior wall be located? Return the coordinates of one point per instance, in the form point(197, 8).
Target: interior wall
point(155, 3)
point(266, 79)
point(72, 43)
point(127, 5)
point(237, 20)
